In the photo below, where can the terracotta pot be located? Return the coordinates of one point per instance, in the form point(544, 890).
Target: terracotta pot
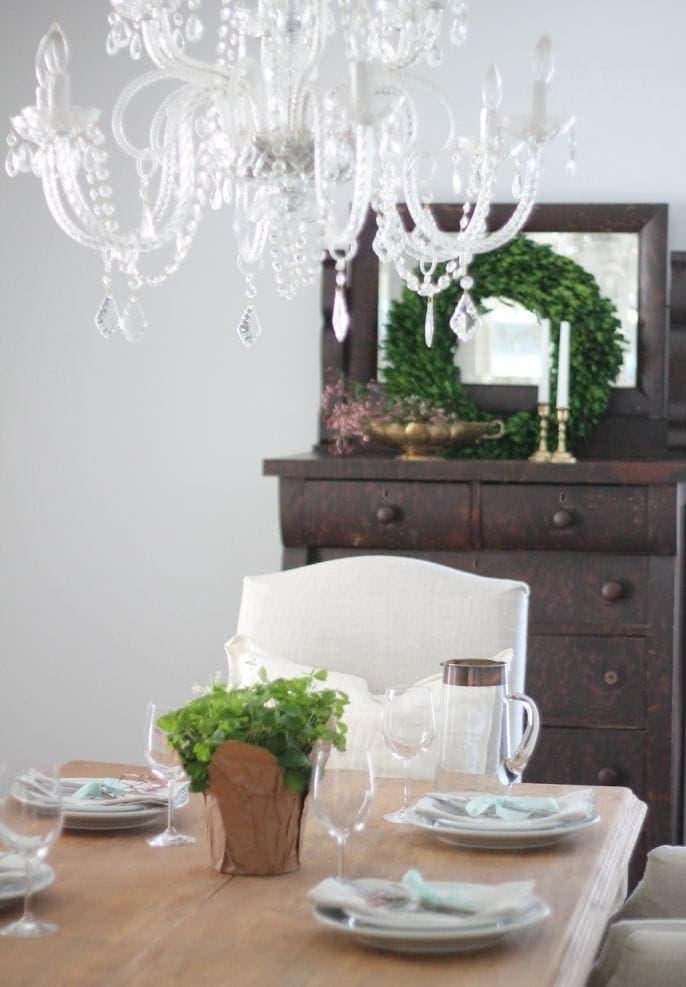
point(253, 820)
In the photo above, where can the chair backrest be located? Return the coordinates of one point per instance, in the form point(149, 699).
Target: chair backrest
point(385, 618)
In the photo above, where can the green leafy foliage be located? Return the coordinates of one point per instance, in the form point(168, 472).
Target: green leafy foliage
point(285, 716)
point(545, 283)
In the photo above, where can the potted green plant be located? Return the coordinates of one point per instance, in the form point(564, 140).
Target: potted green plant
point(247, 749)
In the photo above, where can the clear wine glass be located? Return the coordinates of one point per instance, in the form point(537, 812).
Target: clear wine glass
point(341, 793)
point(30, 822)
point(166, 764)
point(408, 727)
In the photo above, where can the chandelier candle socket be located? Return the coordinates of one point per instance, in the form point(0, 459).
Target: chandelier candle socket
point(256, 128)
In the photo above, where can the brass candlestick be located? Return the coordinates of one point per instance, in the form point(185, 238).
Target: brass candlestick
point(542, 455)
point(561, 455)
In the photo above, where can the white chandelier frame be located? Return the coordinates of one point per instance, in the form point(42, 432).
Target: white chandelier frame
point(257, 127)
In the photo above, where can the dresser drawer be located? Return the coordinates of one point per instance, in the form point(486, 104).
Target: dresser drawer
point(587, 681)
point(603, 592)
point(361, 514)
point(589, 757)
point(570, 518)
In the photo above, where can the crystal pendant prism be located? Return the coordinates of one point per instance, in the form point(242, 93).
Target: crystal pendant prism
point(465, 320)
point(429, 323)
point(107, 317)
point(517, 184)
point(341, 318)
point(249, 328)
point(133, 322)
point(194, 28)
point(147, 225)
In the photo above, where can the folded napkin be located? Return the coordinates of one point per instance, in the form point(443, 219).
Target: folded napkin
point(414, 903)
point(511, 807)
point(112, 793)
point(99, 788)
point(488, 810)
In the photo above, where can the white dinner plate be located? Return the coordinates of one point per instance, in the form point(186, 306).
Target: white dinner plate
point(131, 816)
point(470, 834)
point(475, 934)
point(12, 889)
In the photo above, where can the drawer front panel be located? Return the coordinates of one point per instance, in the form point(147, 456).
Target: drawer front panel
point(587, 681)
point(589, 757)
point(392, 515)
point(568, 589)
point(570, 518)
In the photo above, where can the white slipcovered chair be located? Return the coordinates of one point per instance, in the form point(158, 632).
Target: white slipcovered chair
point(645, 945)
point(384, 619)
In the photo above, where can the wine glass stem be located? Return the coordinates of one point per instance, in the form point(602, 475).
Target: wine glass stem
point(340, 843)
point(28, 890)
point(170, 808)
point(406, 782)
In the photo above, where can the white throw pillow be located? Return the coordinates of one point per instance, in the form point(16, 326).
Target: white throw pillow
point(362, 716)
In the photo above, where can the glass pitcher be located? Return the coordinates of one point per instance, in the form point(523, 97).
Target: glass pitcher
point(477, 721)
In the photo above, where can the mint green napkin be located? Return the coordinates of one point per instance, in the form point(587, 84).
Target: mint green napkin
point(511, 807)
point(99, 788)
point(426, 895)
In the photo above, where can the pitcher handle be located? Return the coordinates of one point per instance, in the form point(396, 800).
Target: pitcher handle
point(515, 764)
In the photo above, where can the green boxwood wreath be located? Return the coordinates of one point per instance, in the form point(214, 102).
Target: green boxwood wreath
point(550, 286)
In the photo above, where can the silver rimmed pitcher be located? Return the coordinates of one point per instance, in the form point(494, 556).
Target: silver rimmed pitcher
point(475, 728)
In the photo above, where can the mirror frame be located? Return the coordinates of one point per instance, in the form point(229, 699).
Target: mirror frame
point(635, 423)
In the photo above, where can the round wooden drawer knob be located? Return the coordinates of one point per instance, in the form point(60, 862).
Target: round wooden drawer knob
point(562, 519)
point(608, 776)
point(612, 590)
point(611, 677)
point(385, 514)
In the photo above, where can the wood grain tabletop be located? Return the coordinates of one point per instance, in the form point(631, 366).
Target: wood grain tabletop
point(130, 915)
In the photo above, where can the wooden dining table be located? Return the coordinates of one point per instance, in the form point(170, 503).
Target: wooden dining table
point(130, 915)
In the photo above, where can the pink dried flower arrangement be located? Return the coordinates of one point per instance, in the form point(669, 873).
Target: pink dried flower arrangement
point(349, 410)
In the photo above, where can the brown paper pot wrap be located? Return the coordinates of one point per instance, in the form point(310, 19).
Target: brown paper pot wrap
point(253, 820)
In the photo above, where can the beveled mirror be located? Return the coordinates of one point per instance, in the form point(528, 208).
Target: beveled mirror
point(623, 246)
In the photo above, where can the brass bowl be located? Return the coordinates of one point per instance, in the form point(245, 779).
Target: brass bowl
point(420, 440)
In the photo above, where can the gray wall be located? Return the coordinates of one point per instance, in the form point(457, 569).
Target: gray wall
point(131, 496)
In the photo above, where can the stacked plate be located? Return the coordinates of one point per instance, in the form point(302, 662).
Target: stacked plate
point(140, 805)
point(448, 815)
point(13, 878)
point(381, 914)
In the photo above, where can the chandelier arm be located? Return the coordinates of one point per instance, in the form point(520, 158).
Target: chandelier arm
point(238, 93)
point(298, 96)
point(53, 197)
point(422, 83)
point(128, 93)
point(163, 53)
point(491, 241)
point(160, 122)
point(345, 238)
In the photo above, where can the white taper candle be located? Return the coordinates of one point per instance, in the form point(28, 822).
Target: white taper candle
point(563, 367)
point(544, 377)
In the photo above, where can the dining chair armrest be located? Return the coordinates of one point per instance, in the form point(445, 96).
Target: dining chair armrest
point(641, 952)
point(661, 893)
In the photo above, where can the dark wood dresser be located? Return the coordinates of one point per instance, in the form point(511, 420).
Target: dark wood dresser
point(601, 544)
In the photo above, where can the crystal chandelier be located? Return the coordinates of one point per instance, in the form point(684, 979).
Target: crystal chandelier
point(300, 162)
